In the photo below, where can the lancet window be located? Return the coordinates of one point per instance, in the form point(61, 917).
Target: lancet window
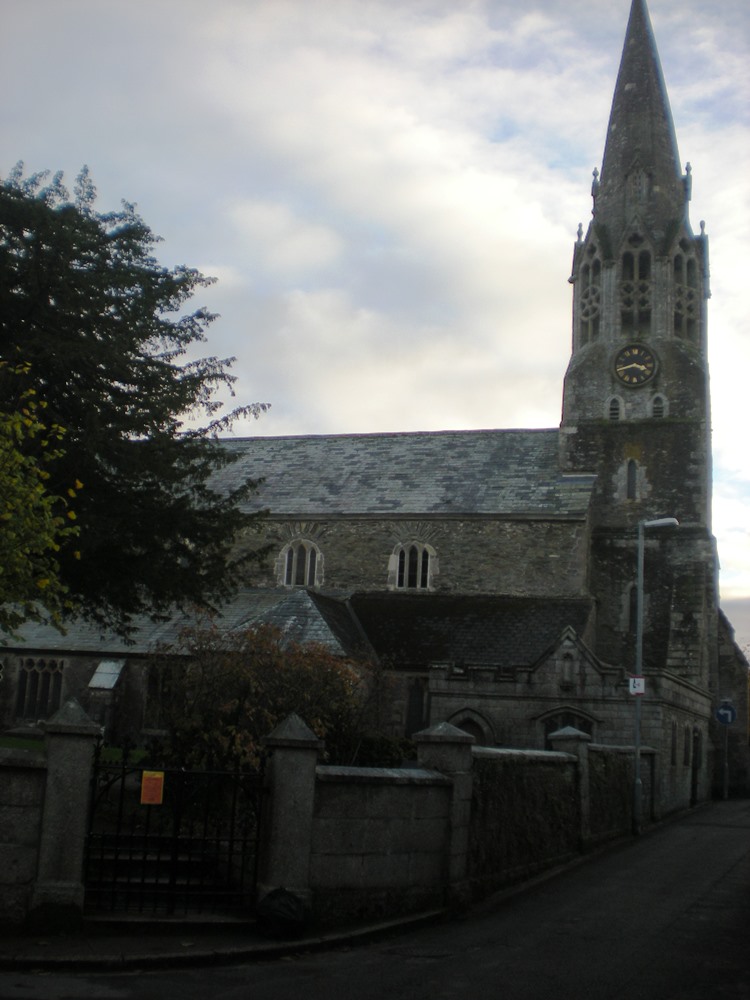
point(635, 290)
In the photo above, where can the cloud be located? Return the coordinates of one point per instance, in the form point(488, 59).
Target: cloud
point(277, 240)
point(389, 192)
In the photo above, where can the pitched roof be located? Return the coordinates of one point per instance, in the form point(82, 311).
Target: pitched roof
point(419, 629)
point(294, 612)
point(503, 473)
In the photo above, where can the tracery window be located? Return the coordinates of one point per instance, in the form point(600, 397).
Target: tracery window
point(414, 565)
point(635, 290)
point(39, 689)
point(302, 564)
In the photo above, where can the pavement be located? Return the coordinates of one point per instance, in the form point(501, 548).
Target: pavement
point(112, 945)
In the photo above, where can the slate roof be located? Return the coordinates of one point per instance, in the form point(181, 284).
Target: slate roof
point(496, 472)
point(295, 612)
point(416, 630)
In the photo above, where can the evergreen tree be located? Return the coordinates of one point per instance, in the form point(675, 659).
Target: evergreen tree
point(34, 523)
point(103, 329)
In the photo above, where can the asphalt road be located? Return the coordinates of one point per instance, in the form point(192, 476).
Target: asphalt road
point(666, 917)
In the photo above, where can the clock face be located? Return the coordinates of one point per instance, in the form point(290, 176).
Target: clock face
point(635, 364)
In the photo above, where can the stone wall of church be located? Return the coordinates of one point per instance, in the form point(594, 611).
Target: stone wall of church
point(667, 478)
point(477, 555)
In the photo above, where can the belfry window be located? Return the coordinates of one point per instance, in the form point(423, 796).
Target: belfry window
point(614, 411)
point(413, 567)
point(686, 297)
point(39, 689)
point(301, 564)
point(635, 291)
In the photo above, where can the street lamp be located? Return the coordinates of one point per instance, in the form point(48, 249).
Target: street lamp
point(643, 526)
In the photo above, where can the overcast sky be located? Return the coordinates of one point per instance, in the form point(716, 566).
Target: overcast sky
point(389, 190)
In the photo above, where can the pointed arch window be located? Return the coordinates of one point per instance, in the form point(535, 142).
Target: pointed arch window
point(301, 562)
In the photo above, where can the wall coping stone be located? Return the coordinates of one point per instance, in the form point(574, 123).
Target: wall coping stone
point(18, 758)
point(555, 756)
point(380, 775)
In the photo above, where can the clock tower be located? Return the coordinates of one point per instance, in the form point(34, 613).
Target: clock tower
point(636, 400)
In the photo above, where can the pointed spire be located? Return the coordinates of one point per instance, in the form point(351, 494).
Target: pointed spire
point(641, 175)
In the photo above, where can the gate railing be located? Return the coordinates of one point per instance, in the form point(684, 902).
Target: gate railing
point(177, 842)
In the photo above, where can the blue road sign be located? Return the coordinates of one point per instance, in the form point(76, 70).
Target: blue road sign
point(726, 714)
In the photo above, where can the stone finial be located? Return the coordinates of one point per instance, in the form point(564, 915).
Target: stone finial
point(687, 180)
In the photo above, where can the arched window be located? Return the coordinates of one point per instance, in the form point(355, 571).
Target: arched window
point(687, 746)
point(413, 567)
point(658, 408)
point(632, 476)
point(567, 671)
point(301, 564)
point(589, 301)
point(39, 689)
point(614, 411)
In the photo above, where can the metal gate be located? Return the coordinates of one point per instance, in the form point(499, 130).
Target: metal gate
point(172, 841)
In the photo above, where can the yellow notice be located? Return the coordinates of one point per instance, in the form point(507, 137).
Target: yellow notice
point(152, 788)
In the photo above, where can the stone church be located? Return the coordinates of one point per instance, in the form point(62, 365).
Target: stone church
point(495, 574)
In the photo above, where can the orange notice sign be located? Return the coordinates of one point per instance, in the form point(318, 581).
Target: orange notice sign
point(152, 788)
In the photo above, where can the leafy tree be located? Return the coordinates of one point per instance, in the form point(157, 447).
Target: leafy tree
point(219, 693)
point(34, 523)
point(110, 346)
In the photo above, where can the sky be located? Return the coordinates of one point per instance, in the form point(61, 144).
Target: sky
point(388, 191)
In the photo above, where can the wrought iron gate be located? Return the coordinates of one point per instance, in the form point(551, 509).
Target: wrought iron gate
point(190, 849)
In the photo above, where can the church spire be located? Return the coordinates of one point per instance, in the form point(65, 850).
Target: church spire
point(641, 176)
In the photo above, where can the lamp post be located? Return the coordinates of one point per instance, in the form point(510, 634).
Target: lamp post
point(643, 526)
